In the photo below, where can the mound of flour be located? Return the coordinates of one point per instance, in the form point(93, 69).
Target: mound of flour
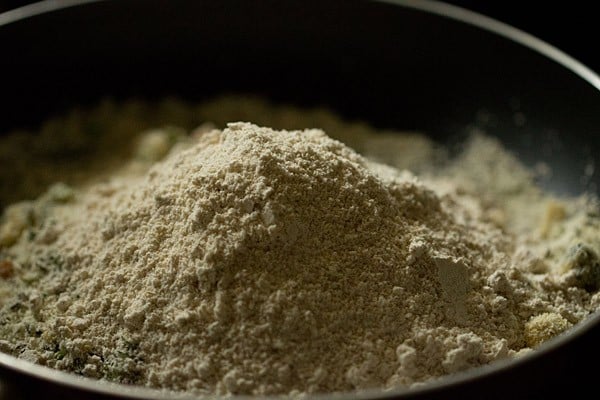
point(257, 261)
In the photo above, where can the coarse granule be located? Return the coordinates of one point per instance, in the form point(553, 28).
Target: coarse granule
point(260, 261)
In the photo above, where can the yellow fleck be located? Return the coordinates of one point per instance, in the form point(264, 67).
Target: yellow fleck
point(543, 327)
point(555, 212)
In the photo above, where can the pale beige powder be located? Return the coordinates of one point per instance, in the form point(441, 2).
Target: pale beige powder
point(257, 261)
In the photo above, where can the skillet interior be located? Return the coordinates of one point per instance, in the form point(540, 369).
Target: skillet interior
point(395, 67)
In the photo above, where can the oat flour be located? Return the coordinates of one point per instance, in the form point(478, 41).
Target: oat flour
point(260, 261)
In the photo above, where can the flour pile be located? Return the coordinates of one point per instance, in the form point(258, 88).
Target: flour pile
point(258, 261)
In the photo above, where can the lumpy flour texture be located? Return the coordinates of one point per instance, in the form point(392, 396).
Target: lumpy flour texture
point(244, 259)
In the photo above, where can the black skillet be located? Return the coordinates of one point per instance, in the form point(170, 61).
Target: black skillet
point(398, 64)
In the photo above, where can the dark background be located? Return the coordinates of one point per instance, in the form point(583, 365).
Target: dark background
point(570, 26)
